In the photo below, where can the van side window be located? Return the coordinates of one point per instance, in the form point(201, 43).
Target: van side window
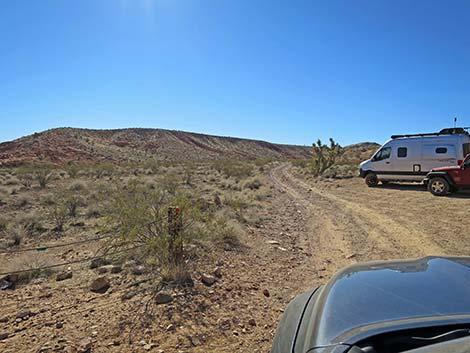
point(441, 150)
point(384, 153)
point(402, 152)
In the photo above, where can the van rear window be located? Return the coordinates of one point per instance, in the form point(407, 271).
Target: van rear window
point(441, 150)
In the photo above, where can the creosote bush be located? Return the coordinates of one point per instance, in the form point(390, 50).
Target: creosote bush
point(140, 216)
point(58, 212)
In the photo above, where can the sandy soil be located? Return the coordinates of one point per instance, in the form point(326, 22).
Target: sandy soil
point(311, 229)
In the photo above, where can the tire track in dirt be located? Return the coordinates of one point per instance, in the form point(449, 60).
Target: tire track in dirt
point(328, 247)
point(369, 234)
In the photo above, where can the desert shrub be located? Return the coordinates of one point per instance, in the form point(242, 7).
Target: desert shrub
point(151, 165)
point(31, 222)
point(238, 205)
point(77, 186)
point(22, 201)
point(73, 171)
point(188, 173)
point(233, 168)
point(25, 176)
point(48, 199)
point(93, 212)
point(3, 223)
point(169, 182)
point(253, 184)
point(341, 171)
point(12, 181)
point(72, 201)
point(43, 177)
point(15, 233)
point(262, 196)
point(300, 163)
point(103, 169)
point(140, 216)
point(224, 233)
point(33, 264)
point(58, 213)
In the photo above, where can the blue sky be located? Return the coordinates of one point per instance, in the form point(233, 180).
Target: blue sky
point(285, 71)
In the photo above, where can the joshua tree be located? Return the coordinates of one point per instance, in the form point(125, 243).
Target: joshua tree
point(325, 156)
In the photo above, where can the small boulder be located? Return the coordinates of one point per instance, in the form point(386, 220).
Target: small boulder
point(252, 322)
point(8, 281)
point(163, 298)
point(138, 270)
point(63, 275)
point(208, 280)
point(4, 336)
point(100, 285)
point(95, 263)
point(224, 325)
point(24, 314)
point(217, 272)
point(5, 284)
point(84, 346)
point(266, 293)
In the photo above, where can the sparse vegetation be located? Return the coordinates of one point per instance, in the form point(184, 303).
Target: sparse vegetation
point(233, 168)
point(43, 176)
point(15, 234)
point(58, 212)
point(32, 264)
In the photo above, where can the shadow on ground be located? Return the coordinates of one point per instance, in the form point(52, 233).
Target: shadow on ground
point(462, 194)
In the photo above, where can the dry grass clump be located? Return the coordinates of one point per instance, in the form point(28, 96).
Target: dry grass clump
point(32, 263)
point(77, 186)
point(233, 168)
point(14, 234)
point(43, 177)
point(253, 184)
point(225, 233)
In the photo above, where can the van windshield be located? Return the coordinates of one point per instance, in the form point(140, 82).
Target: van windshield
point(384, 153)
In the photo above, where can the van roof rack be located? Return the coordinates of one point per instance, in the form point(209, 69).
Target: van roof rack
point(446, 131)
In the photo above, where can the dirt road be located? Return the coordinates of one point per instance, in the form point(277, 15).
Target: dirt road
point(340, 226)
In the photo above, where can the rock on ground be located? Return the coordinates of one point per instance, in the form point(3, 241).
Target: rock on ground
point(100, 285)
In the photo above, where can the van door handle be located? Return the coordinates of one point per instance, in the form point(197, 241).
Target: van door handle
point(387, 162)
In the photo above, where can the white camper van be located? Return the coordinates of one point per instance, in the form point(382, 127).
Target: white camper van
point(411, 157)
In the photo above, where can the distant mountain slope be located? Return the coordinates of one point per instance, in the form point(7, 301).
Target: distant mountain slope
point(66, 145)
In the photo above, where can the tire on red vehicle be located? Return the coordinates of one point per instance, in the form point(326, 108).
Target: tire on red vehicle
point(371, 180)
point(439, 186)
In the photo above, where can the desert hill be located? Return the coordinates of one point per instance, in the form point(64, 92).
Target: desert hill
point(74, 145)
point(65, 145)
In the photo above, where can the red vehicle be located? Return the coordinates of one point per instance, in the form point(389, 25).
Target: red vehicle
point(445, 180)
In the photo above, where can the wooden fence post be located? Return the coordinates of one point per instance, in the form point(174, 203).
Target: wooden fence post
point(175, 226)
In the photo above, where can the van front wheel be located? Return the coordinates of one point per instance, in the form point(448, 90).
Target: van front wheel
point(371, 180)
point(438, 186)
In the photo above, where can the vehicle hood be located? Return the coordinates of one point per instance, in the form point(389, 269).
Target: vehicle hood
point(446, 169)
point(367, 299)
